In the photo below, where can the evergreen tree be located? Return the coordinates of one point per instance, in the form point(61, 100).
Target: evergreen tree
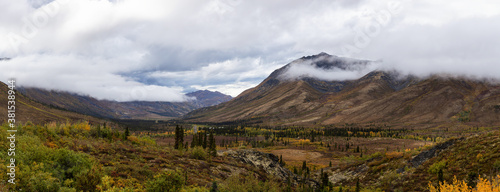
point(177, 137)
point(358, 188)
point(204, 140)
point(194, 141)
point(181, 137)
point(440, 176)
point(127, 133)
point(212, 147)
point(324, 180)
point(200, 139)
point(214, 187)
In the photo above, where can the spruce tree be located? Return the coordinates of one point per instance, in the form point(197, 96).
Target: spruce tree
point(212, 147)
point(200, 139)
point(204, 140)
point(214, 187)
point(194, 141)
point(181, 137)
point(358, 188)
point(177, 137)
point(324, 179)
point(127, 133)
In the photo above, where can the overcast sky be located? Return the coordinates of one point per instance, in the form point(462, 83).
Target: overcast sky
point(158, 50)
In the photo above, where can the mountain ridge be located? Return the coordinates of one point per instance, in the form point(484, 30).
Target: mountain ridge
point(377, 97)
point(123, 110)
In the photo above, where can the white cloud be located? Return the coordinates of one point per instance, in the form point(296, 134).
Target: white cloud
point(233, 44)
point(85, 76)
point(347, 70)
point(233, 89)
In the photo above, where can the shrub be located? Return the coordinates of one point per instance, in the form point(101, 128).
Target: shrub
point(88, 180)
point(167, 181)
point(199, 153)
point(434, 168)
point(237, 183)
point(482, 186)
point(43, 182)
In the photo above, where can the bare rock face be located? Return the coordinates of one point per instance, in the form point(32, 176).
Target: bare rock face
point(267, 161)
point(270, 164)
point(426, 155)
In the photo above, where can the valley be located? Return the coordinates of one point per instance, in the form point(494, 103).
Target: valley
point(381, 132)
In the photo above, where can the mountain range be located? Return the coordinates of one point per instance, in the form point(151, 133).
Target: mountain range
point(28, 110)
point(377, 97)
point(285, 98)
point(123, 110)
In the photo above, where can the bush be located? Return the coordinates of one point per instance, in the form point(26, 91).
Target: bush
point(237, 183)
point(167, 181)
point(43, 182)
point(199, 153)
point(434, 168)
point(483, 186)
point(68, 164)
point(87, 180)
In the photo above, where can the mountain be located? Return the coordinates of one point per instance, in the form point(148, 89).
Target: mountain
point(123, 110)
point(35, 112)
point(208, 98)
point(377, 97)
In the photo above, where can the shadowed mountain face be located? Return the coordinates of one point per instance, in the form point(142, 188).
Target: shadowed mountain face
point(32, 111)
point(123, 110)
point(377, 97)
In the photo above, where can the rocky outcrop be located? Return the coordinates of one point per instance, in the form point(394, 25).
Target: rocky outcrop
point(269, 163)
point(434, 151)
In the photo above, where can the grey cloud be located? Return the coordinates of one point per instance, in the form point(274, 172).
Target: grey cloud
point(180, 45)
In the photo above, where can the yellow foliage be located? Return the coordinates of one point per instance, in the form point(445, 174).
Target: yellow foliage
point(483, 185)
point(304, 142)
point(83, 126)
point(51, 145)
point(393, 154)
point(133, 139)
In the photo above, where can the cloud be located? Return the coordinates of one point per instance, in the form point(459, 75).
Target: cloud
point(180, 45)
point(337, 68)
point(242, 74)
point(467, 47)
point(80, 75)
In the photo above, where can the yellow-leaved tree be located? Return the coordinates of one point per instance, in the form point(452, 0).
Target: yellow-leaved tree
point(483, 185)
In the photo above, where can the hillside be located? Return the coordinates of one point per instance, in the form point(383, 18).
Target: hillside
point(29, 110)
point(377, 97)
point(123, 110)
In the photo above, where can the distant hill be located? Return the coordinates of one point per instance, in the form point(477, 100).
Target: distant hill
point(29, 110)
point(208, 98)
point(377, 97)
point(123, 110)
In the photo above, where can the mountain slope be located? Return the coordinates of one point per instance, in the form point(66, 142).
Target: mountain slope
point(29, 110)
point(378, 97)
point(123, 110)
